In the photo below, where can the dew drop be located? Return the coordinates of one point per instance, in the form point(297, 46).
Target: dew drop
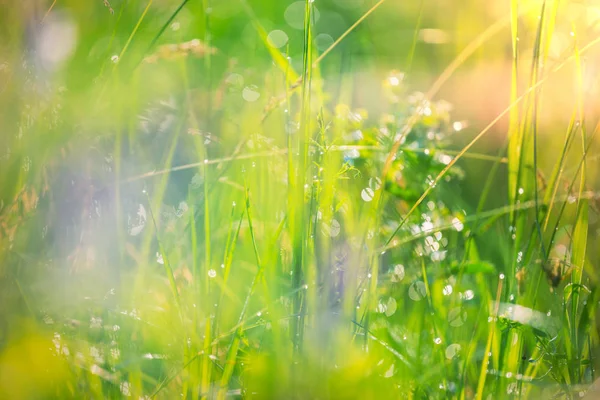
point(458, 126)
point(234, 81)
point(458, 225)
point(417, 291)
point(251, 93)
point(391, 307)
point(294, 15)
point(398, 273)
point(452, 351)
point(323, 41)
point(447, 290)
point(367, 194)
point(277, 38)
point(457, 317)
point(375, 183)
point(390, 372)
point(333, 229)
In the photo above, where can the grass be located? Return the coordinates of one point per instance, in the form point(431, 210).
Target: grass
point(182, 216)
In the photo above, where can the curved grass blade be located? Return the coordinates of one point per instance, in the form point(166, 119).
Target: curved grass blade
point(235, 343)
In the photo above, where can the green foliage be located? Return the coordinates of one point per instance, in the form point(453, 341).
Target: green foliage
point(189, 210)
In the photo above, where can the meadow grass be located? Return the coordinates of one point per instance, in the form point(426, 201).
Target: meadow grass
point(182, 217)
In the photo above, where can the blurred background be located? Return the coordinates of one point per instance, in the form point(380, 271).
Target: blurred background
point(100, 100)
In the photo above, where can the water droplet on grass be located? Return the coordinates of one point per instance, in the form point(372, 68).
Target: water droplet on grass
point(234, 81)
point(417, 291)
point(277, 38)
point(125, 388)
point(398, 273)
point(294, 15)
point(323, 41)
point(375, 183)
point(212, 273)
point(457, 317)
point(391, 307)
point(332, 230)
point(367, 194)
point(452, 351)
point(251, 93)
point(458, 126)
point(351, 154)
point(390, 372)
point(458, 225)
point(137, 224)
point(512, 388)
point(447, 290)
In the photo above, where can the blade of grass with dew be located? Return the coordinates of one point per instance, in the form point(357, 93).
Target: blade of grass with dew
point(167, 264)
point(206, 370)
point(485, 301)
point(523, 158)
point(580, 234)
point(235, 343)
point(552, 187)
point(525, 163)
point(513, 130)
point(488, 346)
point(571, 185)
point(154, 202)
point(231, 243)
point(436, 329)
point(298, 228)
point(534, 126)
point(124, 49)
point(162, 30)
point(569, 330)
point(156, 199)
point(112, 39)
point(197, 291)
